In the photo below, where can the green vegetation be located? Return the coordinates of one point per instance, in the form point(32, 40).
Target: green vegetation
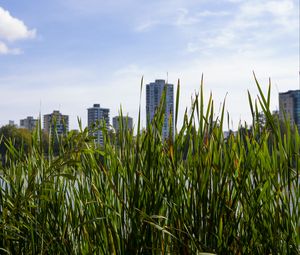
point(21, 139)
point(141, 195)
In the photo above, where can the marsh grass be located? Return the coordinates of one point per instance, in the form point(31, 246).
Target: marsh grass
point(139, 194)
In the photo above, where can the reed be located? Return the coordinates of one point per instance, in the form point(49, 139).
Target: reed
point(139, 194)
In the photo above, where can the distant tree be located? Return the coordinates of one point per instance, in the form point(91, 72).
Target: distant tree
point(20, 139)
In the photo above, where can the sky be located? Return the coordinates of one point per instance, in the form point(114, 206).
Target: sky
point(69, 54)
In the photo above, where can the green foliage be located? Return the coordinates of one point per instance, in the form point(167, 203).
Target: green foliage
point(19, 138)
point(139, 194)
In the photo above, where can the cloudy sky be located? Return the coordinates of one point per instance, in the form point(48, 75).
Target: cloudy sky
point(69, 54)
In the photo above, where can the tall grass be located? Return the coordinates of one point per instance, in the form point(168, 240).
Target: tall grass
point(198, 192)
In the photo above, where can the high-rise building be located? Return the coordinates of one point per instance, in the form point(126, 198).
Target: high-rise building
point(56, 122)
point(126, 122)
point(29, 123)
point(289, 106)
point(12, 123)
point(97, 117)
point(154, 91)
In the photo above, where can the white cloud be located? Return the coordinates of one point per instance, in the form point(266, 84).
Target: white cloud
point(146, 25)
point(276, 8)
point(11, 30)
point(5, 50)
point(266, 14)
point(185, 18)
point(253, 25)
point(180, 17)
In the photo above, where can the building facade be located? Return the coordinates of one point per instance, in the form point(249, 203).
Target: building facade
point(12, 123)
point(154, 92)
point(56, 122)
point(289, 106)
point(126, 123)
point(29, 123)
point(97, 117)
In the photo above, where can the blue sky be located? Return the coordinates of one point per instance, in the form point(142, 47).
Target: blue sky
point(70, 54)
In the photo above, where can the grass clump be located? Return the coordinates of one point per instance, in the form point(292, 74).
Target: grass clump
point(198, 192)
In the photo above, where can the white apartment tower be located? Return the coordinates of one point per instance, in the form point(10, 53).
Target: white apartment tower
point(56, 121)
point(97, 117)
point(289, 106)
point(154, 91)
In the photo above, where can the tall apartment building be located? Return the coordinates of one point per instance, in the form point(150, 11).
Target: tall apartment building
point(12, 123)
point(126, 122)
point(29, 123)
point(154, 91)
point(289, 106)
point(97, 117)
point(56, 121)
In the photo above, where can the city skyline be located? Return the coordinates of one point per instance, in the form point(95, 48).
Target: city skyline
point(288, 107)
point(66, 54)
